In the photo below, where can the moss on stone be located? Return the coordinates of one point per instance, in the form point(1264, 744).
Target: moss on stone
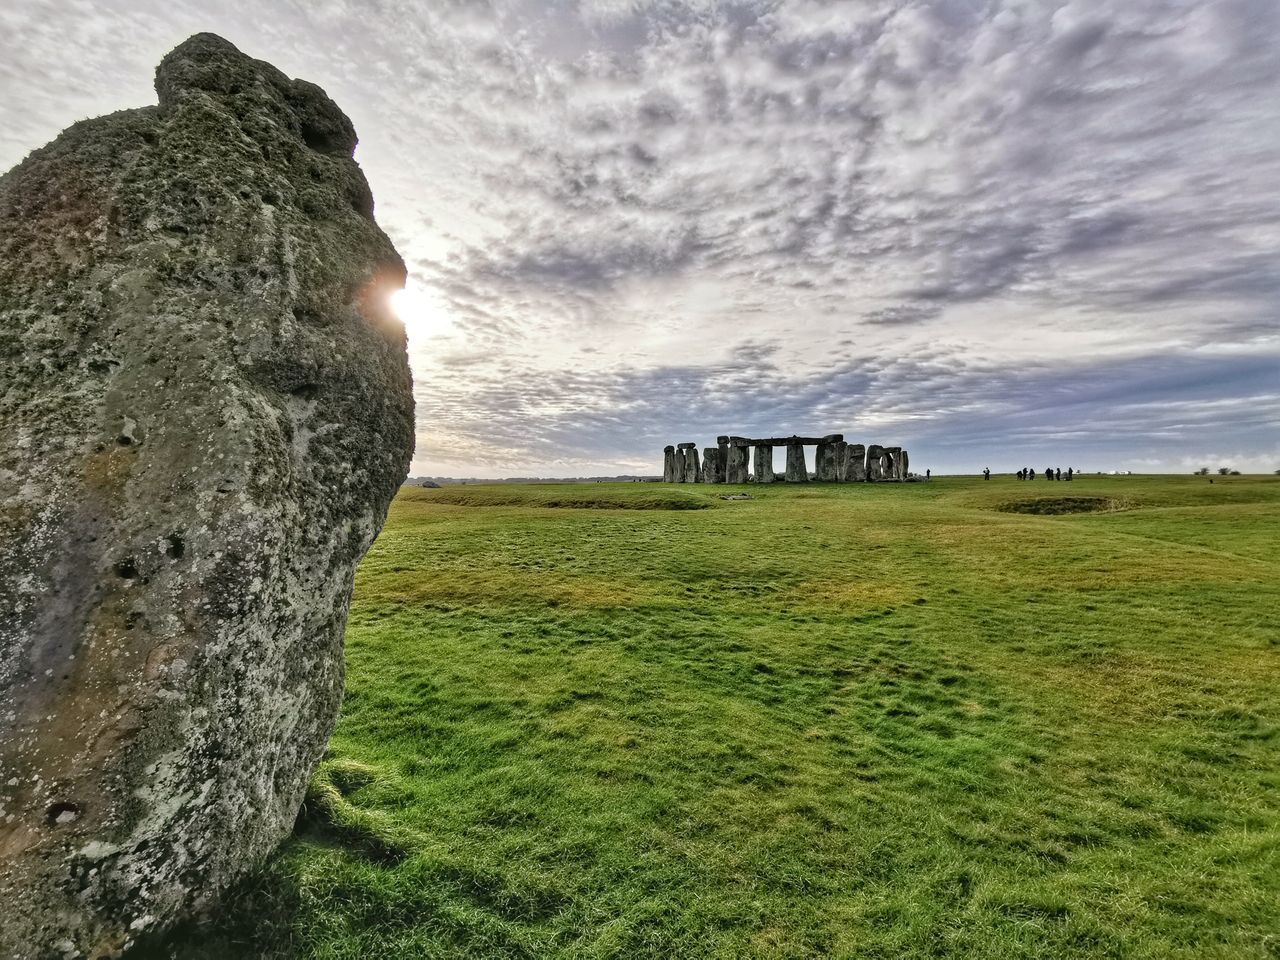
point(195, 348)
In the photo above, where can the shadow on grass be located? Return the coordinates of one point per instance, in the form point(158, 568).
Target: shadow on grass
point(256, 918)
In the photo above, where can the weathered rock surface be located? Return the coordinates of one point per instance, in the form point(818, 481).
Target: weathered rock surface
point(712, 466)
point(855, 463)
point(825, 463)
point(692, 467)
point(893, 464)
point(763, 468)
point(797, 472)
point(736, 467)
point(875, 462)
point(205, 409)
point(669, 464)
point(679, 465)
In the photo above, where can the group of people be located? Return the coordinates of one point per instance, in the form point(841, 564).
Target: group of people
point(1029, 473)
point(1050, 473)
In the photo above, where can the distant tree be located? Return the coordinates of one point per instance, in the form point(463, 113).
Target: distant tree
point(1204, 472)
point(1235, 473)
point(1223, 471)
point(1278, 473)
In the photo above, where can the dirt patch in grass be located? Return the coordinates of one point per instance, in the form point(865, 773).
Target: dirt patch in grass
point(1059, 506)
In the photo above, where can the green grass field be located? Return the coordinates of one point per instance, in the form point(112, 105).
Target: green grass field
point(917, 720)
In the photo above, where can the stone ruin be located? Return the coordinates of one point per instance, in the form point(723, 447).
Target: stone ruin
point(205, 409)
point(741, 459)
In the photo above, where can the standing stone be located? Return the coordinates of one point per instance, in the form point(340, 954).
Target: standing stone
point(205, 409)
point(797, 472)
point(842, 455)
point(739, 455)
point(893, 463)
point(855, 463)
point(668, 464)
point(764, 463)
point(679, 466)
point(875, 462)
point(692, 468)
point(904, 465)
point(825, 463)
point(711, 468)
point(723, 444)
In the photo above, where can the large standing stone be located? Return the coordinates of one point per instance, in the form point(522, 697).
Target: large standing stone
point(855, 463)
point(825, 462)
point(692, 468)
point(764, 463)
point(875, 462)
point(205, 409)
point(739, 455)
point(679, 466)
point(904, 465)
point(797, 472)
point(712, 468)
point(893, 464)
point(668, 464)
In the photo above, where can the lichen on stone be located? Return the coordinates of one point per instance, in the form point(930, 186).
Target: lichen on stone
point(205, 409)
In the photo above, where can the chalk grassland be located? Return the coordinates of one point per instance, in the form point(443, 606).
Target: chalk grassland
point(857, 721)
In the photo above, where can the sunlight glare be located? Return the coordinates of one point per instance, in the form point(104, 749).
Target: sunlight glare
point(419, 312)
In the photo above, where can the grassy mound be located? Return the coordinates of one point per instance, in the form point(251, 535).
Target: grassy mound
point(571, 496)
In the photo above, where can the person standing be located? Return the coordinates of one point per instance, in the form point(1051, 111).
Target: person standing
point(986, 473)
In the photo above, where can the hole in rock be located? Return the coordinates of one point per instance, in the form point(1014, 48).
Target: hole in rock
point(306, 391)
point(63, 813)
point(174, 546)
point(124, 440)
point(316, 138)
point(127, 569)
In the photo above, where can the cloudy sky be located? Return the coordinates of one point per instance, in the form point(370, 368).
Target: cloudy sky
point(996, 232)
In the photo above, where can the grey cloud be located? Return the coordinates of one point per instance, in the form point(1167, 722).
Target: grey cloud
point(884, 170)
point(901, 314)
point(1084, 416)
